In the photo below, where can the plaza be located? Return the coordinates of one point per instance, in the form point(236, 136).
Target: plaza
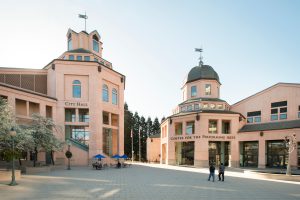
point(144, 181)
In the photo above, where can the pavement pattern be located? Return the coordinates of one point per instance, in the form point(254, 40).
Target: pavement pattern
point(143, 182)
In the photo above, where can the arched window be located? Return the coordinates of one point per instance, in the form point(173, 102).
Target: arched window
point(70, 42)
point(76, 89)
point(105, 93)
point(114, 96)
point(95, 43)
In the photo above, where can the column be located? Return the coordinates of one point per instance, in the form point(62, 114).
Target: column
point(219, 126)
point(261, 153)
point(27, 109)
point(77, 115)
point(223, 152)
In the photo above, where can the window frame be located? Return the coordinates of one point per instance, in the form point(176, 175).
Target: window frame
point(105, 92)
point(194, 91)
point(114, 96)
point(76, 84)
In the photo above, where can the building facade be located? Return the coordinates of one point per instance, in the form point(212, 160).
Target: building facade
point(80, 91)
point(205, 129)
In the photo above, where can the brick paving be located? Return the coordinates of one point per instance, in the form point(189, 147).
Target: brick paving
point(143, 182)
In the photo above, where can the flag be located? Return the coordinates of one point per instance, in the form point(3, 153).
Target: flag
point(82, 16)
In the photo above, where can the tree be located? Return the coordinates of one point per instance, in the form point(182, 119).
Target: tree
point(23, 139)
point(43, 136)
point(136, 126)
point(128, 126)
point(156, 126)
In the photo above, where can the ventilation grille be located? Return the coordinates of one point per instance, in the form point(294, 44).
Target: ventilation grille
point(36, 83)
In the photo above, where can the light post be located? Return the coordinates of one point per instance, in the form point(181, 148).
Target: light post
point(13, 133)
point(290, 145)
point(69, 155)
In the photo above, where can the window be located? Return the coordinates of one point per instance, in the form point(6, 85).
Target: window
point(205, 105)
point(70, 115)
point(84, 115)
point(225, 127)
point(299, 112)
point(76, 89)
point(278, 110)
point(212, 106)
point(207, 89)
point(220, 106)
point(190, 128)
point(189, 107)
point(183, 108)
point(105, 116)
point(178, 128)
point(193, 91)
point(95, 43)
point(254, 116)
point(105, 93)
point(95, 59)
point(70, 42)
point(87, 58)
point(196, 106)
point(78, 133)
point(114, 96)
point(212, 126)
point(71, 57)
point(79, 57)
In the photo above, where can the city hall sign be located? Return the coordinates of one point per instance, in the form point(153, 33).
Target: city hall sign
point(75, 104)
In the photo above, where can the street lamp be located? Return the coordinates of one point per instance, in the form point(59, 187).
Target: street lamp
point(13, 133)
point(290, 145)
point(69, 154)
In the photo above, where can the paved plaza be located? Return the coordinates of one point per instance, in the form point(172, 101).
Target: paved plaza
point(142, 182)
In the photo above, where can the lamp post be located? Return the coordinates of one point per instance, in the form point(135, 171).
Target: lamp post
point(69, 155)
point(13, 133)
point(290, 145)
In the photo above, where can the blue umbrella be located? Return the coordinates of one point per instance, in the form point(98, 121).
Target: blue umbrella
point(98, 156)
point(117, 156)
point(124, 156)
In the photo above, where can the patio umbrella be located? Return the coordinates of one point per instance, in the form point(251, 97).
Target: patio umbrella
point(117, 156)
point(99, 156)
point(124, 156)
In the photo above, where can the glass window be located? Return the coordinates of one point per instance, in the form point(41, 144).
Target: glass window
point(257, 119)
point(76, 89)
point(274, 117)
point(70, 42)
point(105, 93)
point(105, 116)
point(212, 106)
point(196, 106)
point(205, 105)
point(190, 128)
point(189, 107)
point(71, 57)
point(78, 133)
point(79, 57)
point(225, 127)
point(212, 126)
point(87, 58)
point(283, 116)
point(249, 154)
point(220, 106)
point(250, 120)
point(193, 91)
point(178, 128)
point(277, 155)
point(114, 97)
point(207, 89)
point(183, 108)
point(70, 115)
point(84, 115)
point(95, 43)
point(95, 59)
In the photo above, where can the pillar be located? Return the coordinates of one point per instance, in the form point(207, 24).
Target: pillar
point(261, 153)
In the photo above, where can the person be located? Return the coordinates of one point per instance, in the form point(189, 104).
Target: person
point(119, 164)
point(211, 172)
point(221, 171)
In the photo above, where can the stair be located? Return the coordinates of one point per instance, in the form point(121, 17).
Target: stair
point(78, 144)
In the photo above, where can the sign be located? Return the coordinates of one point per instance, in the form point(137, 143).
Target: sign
point(197, 137)
point(76, 104)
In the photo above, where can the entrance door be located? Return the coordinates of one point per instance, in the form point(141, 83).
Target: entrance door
point(48, 158)
point(219, 152)
point(184, 152)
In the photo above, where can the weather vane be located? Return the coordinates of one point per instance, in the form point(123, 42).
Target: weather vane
point(85, 18)
point(201, 58)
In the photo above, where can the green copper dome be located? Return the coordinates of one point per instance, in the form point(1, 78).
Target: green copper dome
point(203, 72)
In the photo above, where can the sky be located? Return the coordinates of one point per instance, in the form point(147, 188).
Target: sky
point(252, 45)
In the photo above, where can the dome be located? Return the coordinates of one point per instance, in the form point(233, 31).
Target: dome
point(203, 72)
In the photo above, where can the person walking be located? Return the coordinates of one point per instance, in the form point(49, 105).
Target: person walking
point(211, 172)
point(221, 171)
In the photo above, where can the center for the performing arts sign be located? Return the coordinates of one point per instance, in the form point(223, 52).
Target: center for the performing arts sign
point(197, 137)
point(76, 104)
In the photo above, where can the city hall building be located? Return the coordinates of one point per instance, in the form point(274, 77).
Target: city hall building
point(205, 129)
point(80, 91)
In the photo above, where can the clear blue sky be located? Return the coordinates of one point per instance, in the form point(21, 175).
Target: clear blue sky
point(251, 44)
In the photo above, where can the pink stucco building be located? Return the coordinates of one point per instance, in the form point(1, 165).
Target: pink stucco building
point(250, 133)
point(80, 91)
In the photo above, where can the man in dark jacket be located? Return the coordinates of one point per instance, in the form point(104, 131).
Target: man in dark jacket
point(211, 172)
point(221, 172)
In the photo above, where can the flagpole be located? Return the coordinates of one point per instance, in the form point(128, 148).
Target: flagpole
point(140, 144)
point(132, 146)
point(85, 21)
